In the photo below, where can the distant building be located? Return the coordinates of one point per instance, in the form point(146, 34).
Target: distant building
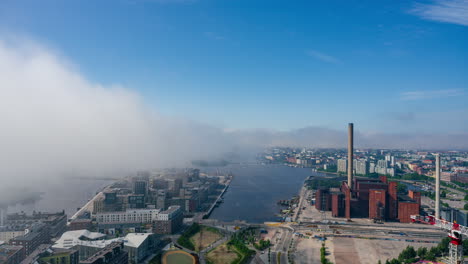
point(111, 254)
point(161, 202)
point(111, 203)
point(130, 216)
point(140, 245)
point(10, 232)
point(140, 187)
point(59, 256)
point(80, 224)
point(342, 165)
point(169, 221)
point(136, 201)
point(382, 163)
point(460, 177)
point(361, 167)
point(452, 214)
point(11, 254)
point(56, 222)
point(38, 234)
point(174, 185)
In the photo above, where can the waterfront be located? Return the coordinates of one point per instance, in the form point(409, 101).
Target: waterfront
point(252, 195)
point(63, 194)
point(255, 190)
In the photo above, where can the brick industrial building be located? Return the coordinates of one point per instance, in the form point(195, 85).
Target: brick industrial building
point(369, 198)
point(360, 197)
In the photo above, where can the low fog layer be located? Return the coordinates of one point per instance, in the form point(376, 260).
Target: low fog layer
point(54, 123)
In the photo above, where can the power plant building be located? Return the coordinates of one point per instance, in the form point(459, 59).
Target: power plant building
point(361, 197)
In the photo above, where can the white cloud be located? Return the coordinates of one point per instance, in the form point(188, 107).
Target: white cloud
point(54, 122)
point(421, 95)
point(322, 56)
point(448, 11)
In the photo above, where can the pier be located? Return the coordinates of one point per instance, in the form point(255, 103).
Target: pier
point(88, 206)
point(212, 207)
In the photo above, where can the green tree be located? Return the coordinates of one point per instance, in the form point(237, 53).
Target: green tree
point(422, 251)
point(430, 256)
point(465, 206)
point(401, 188)
point(407, 255)
point(443, 194)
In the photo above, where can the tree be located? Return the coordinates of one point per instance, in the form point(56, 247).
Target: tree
point(401, 188)
point(466, 197)
point(466, 206)
point(408, 255)
point(422, 251)
point(430, 256)
point(443, 194)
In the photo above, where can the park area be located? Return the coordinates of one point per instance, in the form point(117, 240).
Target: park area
point(223, 254)
point(205, 237)
point(178, 257)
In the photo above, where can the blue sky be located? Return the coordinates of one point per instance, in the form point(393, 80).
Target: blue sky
point(388, 66)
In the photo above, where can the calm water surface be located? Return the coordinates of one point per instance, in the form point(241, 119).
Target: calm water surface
point(255, 190)
point(252, 195)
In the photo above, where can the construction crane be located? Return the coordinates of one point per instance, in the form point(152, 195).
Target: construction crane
point(455, 233)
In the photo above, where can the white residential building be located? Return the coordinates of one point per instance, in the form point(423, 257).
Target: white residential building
point(128, 216)
point(342, 165)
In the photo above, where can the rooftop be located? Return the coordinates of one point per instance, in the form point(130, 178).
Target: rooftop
point(91, 239)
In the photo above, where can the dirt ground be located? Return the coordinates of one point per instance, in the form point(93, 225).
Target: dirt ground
point(222, 255)
point(204, 238)
point(353, 250)
point(308, 251)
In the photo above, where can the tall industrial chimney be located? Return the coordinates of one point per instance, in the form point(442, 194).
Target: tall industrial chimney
point(350, 155)
point(2, 216)
point(437, 187)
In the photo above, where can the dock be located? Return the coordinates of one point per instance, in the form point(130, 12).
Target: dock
point(220, 197)
point(87, 207)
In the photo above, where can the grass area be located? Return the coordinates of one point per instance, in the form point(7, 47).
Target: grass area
point(223, 254)
point(205, 237)
point(184, 240)
point(178, 257)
